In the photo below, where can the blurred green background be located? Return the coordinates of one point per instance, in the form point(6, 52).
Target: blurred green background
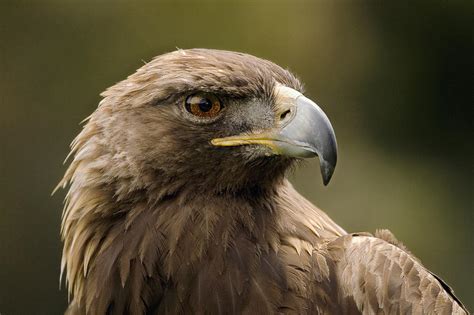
point(395, 77)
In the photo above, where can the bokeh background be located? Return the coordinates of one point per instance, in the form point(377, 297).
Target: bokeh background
point(395, 77)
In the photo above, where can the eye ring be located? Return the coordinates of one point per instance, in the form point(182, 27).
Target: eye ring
point(204, 105)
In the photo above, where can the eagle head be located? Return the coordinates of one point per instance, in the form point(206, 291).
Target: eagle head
point(213, 120)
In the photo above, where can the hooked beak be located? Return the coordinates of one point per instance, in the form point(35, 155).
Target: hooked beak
point(302, 130)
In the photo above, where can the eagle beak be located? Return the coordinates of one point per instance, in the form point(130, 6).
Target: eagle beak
point(302, 130)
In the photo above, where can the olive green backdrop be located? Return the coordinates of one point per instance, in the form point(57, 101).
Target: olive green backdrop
point(394, 77)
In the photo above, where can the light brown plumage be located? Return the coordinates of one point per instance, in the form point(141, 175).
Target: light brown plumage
point(157, 221)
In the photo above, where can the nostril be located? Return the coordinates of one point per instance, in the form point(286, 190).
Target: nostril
point(285, 114)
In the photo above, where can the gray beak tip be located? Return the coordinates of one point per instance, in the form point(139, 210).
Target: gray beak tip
point(327, 170)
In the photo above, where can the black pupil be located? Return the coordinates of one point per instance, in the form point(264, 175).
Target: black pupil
point(205, 105)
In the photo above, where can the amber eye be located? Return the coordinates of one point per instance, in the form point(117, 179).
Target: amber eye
point(203, 105)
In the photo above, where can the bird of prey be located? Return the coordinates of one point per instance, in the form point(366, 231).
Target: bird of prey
point(178, 203)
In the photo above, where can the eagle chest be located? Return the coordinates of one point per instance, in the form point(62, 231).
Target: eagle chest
point(239, 273)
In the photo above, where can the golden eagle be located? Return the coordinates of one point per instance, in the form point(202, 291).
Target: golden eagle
point(178, 203)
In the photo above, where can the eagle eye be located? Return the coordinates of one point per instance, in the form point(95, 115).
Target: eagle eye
point(203, 105)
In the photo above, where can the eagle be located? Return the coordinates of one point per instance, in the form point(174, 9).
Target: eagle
point(178, 203)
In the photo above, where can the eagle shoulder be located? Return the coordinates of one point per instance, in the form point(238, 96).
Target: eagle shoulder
point(378, 275)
